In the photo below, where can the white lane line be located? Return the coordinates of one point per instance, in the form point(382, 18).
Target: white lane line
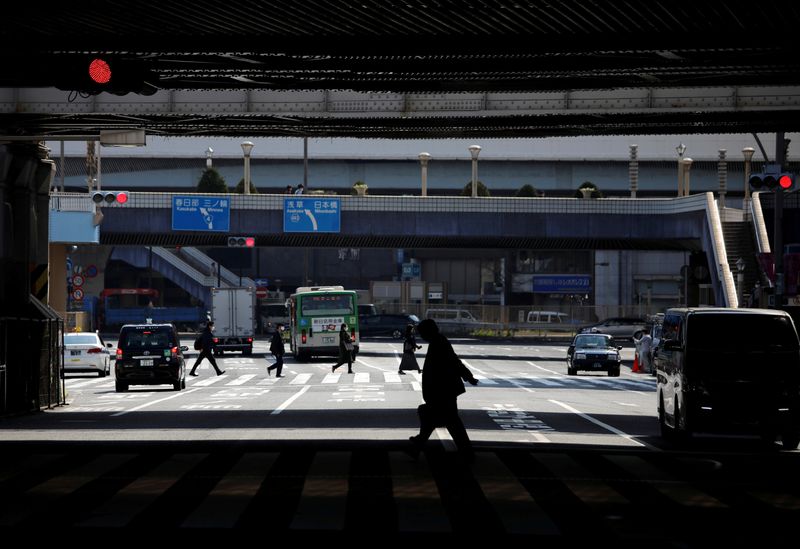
point(361, 377)
point(241, 380)
point(289, 400)
point(545, 369)
point(209, 381)
point(147, 404)
point(606, 426)
point(368, 365)
point(331, 378)
point(416, 386)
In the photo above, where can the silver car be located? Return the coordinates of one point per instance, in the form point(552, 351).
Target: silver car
point(619, 327)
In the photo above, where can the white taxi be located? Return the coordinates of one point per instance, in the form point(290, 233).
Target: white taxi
point(86, 352)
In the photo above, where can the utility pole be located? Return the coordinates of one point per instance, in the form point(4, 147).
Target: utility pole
point(780, 158)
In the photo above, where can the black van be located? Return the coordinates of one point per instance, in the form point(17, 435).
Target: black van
point(729, 371)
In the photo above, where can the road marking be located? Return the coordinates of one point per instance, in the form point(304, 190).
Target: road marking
point(207, 382)
point(147, 404)
point(361, 377)
point(323, 503)
point(391, 377)
point(606, 426)
point(545, 369)
point(331, 378)
point(416, 496)
point(289, 400)
point(300, 379)
point(416, 386)
point(241, 380)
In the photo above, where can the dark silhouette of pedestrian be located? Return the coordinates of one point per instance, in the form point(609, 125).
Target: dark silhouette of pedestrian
point(289, 189)
point(442, 376)
point(409, 361)
point(207, 339)
point(345, 350)
point(300, 189)
point(277, 348)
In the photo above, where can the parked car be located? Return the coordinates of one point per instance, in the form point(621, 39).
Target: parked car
point(391, 325)
point(734, 371)
point(619, 327)
point(593, 352)
point(453, 321)
point(87, 352)
point(551, 320)
point(150, 354)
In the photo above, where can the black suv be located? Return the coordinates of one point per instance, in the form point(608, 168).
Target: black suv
point(149, 354)
point(391, 325)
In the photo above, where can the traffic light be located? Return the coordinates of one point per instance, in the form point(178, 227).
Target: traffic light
point(241, 241)
point(97, 73)
point(783, 181)
point(109, 197)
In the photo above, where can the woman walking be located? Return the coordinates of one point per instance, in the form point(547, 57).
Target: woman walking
point(345, 350)
point(409, 361)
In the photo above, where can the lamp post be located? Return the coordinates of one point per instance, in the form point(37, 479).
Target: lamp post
point(474, 150)
point(748, 158)
point(722, 173)
point(424, 158)
point(633, 170)
point(209, 153)
point(687, 165)
point(680, 149)
point(247, 146)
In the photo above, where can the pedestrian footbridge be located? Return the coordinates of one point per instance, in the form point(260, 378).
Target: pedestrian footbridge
point(684, 223)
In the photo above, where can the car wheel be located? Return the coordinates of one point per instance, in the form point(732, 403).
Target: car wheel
point(120, 387)
point(638, 334)
point(183, 383)
point(176, 386)
point(666, 431)
point(397, 334)
point(571, 371)
point(613, 372)
point(101, 373)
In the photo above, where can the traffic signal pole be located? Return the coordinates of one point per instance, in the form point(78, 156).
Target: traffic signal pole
point(780, 158)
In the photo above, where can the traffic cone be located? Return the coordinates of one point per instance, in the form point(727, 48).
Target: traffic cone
point(635, 363)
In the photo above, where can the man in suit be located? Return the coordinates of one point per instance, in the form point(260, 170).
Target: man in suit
point(443, 376)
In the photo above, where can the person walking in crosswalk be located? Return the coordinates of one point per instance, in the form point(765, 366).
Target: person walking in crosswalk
point(345, 350)
point(409, 361)
point(442, 375)
point(207, 350)
point(277, 348)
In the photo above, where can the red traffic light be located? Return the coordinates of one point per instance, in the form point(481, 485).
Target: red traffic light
point(122, 197)
point(241, 241)
point(785, 181)
point(249, 241)
point(99, 71)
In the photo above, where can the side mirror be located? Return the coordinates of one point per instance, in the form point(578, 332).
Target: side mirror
point(184, 348)
point(619, 347)
point(571, 349)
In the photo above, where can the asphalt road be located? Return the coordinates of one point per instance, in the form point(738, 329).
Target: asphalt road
point(315, 456)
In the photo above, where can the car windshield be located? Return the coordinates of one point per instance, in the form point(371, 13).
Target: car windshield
point(742, 331)
point(592, 341)
point(80, 339)
point(146, 338)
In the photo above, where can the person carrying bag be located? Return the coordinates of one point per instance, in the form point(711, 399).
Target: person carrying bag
point(345, 350)
point(409, 361)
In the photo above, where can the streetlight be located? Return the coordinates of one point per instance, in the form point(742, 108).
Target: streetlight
point(423, 161)
point(687, 165)
point(209, 152)
point(474, 150)
point(748, 157)
point(247, 146)
point(680, 149)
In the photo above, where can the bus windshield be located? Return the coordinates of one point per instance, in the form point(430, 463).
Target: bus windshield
point(324, 305)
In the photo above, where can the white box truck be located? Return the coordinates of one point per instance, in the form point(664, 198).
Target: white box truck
point(233, 311)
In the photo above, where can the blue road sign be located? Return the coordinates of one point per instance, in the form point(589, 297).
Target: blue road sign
point(201, 213)
point(303, 214)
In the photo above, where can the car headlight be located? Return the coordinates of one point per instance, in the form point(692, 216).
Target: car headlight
point(580, 356)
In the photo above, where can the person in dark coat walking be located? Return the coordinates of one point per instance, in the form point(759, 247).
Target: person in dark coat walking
point(442, 376)
point(345, 350)
point(277, 348)
point(207, 338)
point(409, 361)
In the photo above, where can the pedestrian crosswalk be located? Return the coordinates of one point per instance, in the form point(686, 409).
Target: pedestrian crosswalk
point(521, 379)
point(521, 492)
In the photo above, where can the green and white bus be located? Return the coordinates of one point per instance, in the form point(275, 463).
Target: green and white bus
point(316, 314)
